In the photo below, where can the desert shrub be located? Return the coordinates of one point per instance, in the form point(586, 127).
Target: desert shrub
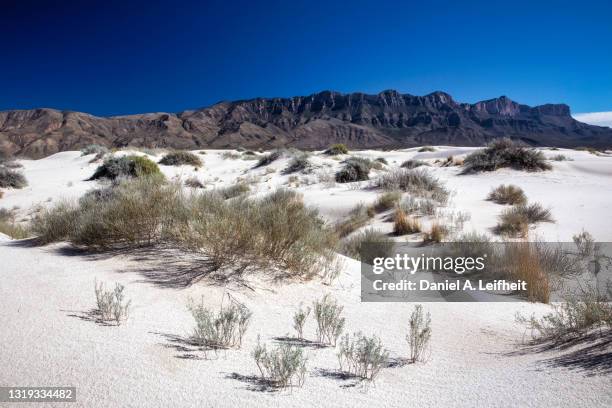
point(336, 149)
point(111, 304)
point(426, 149)
point(436, 234)
point(515, 220)
point(126, 166)
point(232, 191)
point(299, 319)
point(386, 201)
point(580, 311)
point(505, 153)
point(419, 334)
point(357, 218)
point(367, 245)
point(585, 243)
point(284, 366)
point(298, 163)
point(330, 323)
point(404, 224)
point(355, 169)
point(522, 261)
point(382, 160)
point(56, 223)
point(223, 328)
point(194, 182)
point(94, 149)
point(268, 158)
point(507, 194)
point(362, 356)
point(10, 227)
point(180, 158)
point(273, 232)
point(560, 157)
point(230, 156)
point(418, 182)
point(12, 179)
point(413, 164)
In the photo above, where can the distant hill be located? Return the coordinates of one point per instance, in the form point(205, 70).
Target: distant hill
point(388, 119)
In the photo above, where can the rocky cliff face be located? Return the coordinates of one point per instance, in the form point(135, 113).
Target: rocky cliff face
point(388, 119)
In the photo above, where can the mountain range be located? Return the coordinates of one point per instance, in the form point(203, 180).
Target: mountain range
point(385, 120)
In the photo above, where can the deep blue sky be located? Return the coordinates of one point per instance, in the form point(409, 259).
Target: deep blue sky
point(120, 57)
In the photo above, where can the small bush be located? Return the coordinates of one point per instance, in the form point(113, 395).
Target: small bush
point(336, 149)
point(330, 323)
point(419, 334)
point(386, 201)
point(515, 220)
point(509, 194)
point(418, 182)
point(382, 160)
point(224, 328)
point(10, 227)
point(426, 149)
point(505, 153)
point(404, 224)
point(94, 149)
point(111, 305)
point(12, 179)
point(230, 156)
point(299, 319)
point(436, 233)
point(232, 191)
point(413, 164)
point(127, 166)
point(362, 356)
point(298, 163)
point(367, 245)
point(355, 169)
point(194, 182)
point(181, 158)
point(56, 223)
point(268, 158)
point(357, 218)
point(560, 157)
point(282, 367)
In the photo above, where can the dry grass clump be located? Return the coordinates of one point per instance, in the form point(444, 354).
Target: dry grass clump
point(523, 263)
point(509, 194)
point(386, 201)
point(111, 304)
point(362, 356)
point(426, 149)
point(366, 245)
point(419, 334)
point(298, 163)
point(233, 191)
point(10, 178)
point(357, 218)
point(180, 158)
point(418, 182)
point(413, 164)
point(560, 157)
point(281, 367)
point(194, 182)
point(404, 224)
point(336, 149)
point(355, 169)
point(515, 221)
point(10, 227)
point(268, 158)
point(127, 166)
point(382, 160)
point(505, 153)
point(94, 149)
point(437, 233)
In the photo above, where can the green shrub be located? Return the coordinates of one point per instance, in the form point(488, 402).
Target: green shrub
point(111, 305)
point(362, 356)
point(509, 194)
point(181, 158)
point(282, 367)
point(12, 179)
point(126, 166)
point(505, 153)
point(336, 149)
point(330, 322)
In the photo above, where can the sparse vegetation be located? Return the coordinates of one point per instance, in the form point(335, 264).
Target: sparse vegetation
point(404, 224)
point(10, 227)
point(515, 220)
point(505, 153)
point(297, 163)
point(437, 233)
point(94, 149)
point(336, 149)
point(386, 201)
point(181, 158)
point(522, 261)
point(230, 156)
point(268, 159)
point(382, 160)
point(10, 178)
point(560, 157)
point(357, 218)
point(362, 356)
point(366, 245)
point(413, 164)
point(299, 320)
point(426, 149)
point(355, 169)
point(127, 166)
point(194, 182)
point(330, 323)
point(111, 304)
point(508, 194)
point(282, 367)
point(419, 334)
point(418, 182)
point(232, 191)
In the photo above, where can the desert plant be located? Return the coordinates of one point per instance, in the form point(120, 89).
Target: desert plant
point(357, 218)
point(522, 261)
point(194, 182)
point(127, 166)
point(419, 334)
point(12, 179)
point(355, 169)
point(94, 149)
point(299, 319)
point(362, 356)
point(330, 323)
point(417, 182)
point(55, 223)
point(382, 160)
point(426, 149)
point(367, 245)
point(284, 366)
point(111, 304)
point(268, 158)
point(298, 163)
point(437, 233)
point(386, 201)
point(560, 157)
point(404, 224)
point(224, 328)
point(336, 149)
point(515, 220)
point(181, 158)
point(505, 153)
point(413, 164)
point(230, 156)
point(232, 191)
point(507, 194)
point(10, 227)
point(585, 243)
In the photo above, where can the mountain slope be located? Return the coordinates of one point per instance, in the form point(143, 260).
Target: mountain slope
point(388, 119)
